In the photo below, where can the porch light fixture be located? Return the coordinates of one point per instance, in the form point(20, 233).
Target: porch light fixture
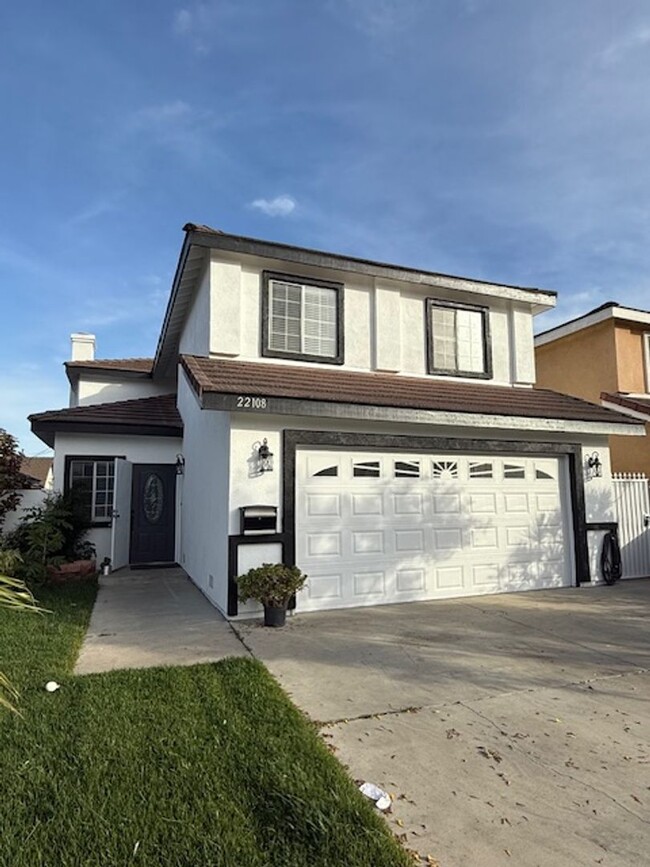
point(594, 466)
point(264, 456)
point(180, 465)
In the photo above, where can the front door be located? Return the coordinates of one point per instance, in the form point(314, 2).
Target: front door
point(153, 516)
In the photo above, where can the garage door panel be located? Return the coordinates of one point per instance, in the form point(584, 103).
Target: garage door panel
point(409, 541)
point(326, 586)
point(364, 542)
point(410, 580)
point(485, 576)
point(449, 577)
point(367, 504)
point(484, 503)
point(408, 504)
point(427, 527)
point(448, 539)
point(446, 504)
point(516, 502)
point(323, 505)
point(323, 544)
point(484, 538)
point(369, 584)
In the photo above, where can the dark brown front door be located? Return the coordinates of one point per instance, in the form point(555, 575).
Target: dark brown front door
point(153, 517)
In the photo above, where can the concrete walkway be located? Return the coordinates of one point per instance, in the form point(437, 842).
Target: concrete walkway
point(512, 730)
point(145, 618)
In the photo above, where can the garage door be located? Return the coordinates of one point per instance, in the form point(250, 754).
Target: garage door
point(392, 527)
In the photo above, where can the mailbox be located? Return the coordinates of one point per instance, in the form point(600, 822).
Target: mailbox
point(258, 519)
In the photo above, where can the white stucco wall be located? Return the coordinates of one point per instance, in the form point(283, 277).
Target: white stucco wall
point(204, 505)
point(28, 500)
point(137, 449)
point(384, 320)
point(91, 390)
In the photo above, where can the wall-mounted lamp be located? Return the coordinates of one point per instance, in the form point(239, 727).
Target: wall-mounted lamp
point(594, 466)
point(180, 465)
point(264, 456)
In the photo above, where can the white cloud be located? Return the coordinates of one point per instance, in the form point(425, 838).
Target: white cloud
point(381, 19)
point(617, 50)
point(95, 209)
point(175, 125)
point(280, 206)
point(197, 24)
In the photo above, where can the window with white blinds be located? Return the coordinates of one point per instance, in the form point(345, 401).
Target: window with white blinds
point(302, 319)
point(458, 339)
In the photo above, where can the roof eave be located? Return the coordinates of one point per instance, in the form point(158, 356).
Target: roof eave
point(47, 430)
point(74, 371)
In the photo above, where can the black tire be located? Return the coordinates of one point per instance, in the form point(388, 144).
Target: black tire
point(610, 558)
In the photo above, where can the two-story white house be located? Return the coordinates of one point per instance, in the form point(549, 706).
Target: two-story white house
point(382, 420)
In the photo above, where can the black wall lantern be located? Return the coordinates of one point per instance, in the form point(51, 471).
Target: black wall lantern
point(594, 466)
point(264, 456)
point(180, 465)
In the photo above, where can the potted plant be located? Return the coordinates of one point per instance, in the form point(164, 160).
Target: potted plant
point(272, 584)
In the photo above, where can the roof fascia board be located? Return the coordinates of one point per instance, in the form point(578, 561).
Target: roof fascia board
point(626, 410)
point(182, 259)
point(590, 319)
point(541, 299)
point(46, 431)
point(111, 374)
point(325, 409)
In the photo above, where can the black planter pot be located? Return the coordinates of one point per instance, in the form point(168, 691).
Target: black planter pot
point(275, 616)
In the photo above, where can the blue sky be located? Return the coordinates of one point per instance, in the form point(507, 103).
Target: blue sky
point(507, 140)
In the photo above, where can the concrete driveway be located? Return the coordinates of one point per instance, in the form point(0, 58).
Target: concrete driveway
point(510, 729)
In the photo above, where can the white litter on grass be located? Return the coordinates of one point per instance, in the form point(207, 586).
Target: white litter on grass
point(52, 686)
point(379, 796)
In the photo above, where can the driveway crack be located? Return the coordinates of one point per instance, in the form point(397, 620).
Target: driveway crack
point(547, 767)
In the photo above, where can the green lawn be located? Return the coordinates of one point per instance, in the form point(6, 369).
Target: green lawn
point(207, 765)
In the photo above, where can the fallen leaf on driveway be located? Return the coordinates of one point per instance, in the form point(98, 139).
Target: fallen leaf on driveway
point(490, 754)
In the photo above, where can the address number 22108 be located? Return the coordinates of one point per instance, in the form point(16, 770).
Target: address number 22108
point(251, 402)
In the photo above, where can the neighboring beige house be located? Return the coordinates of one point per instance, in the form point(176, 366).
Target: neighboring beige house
point(604, 357)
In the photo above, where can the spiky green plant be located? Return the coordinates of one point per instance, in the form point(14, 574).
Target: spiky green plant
point(16, 596)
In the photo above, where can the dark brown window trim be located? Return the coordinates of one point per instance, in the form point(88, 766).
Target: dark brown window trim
point(66, 479)
point(307, 281)
point(487, 339)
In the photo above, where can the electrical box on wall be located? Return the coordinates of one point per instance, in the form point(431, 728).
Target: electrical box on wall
point(258, 519)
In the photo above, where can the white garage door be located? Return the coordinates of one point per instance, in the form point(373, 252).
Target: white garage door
point(375, 528)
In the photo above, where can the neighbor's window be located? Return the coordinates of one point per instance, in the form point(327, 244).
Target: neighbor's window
point(92, 482)
point(646, 352)
point(302, 319)
point(458, 339)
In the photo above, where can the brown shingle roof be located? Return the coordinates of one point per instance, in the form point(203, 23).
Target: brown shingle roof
point(35, 470)
point(388, 390)
point(636, 403)
point(131, 365)
point(157, 416)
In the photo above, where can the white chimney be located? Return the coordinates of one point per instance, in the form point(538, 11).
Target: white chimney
point(83, 347)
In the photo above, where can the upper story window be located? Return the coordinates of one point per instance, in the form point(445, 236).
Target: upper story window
point(458, 338)
point(302, 318)
point(646, 354)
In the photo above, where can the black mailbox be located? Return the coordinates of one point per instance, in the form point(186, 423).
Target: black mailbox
point(258, 519)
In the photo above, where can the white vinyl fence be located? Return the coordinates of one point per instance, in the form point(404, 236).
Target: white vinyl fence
point(632, 503)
